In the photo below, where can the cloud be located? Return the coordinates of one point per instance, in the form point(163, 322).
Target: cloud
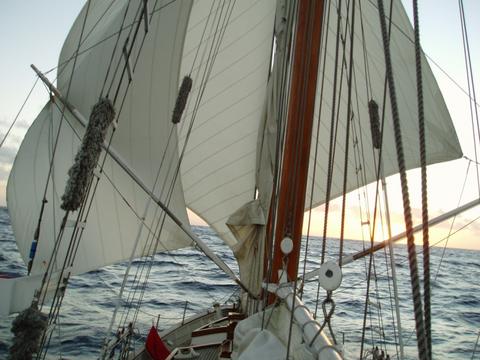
point(7, 154)
point(23, 124)
point(4, 172)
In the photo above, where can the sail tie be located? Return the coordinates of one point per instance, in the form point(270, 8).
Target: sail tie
point(182, 99)
point(87, 157)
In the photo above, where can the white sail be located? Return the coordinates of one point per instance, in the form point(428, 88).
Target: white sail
point(441, 144)
point(140, 140)
point(218, 170)
point(219, 166)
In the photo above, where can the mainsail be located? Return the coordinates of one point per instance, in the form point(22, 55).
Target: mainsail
point(218, 169)
point(219, 166)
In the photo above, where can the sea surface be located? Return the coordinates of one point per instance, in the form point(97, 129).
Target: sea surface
point(184, 280)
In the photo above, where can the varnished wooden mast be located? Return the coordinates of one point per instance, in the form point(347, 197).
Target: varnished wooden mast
point(294, 173)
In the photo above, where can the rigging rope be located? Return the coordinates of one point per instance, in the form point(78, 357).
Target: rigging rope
point(417, 300)
point(423, 162)
point(48, 273)
point(77, 233)
point(284, 41)
point(332, 136)
point(36, 236)
point(208, 67)
point(349, 119)
point(332, 146)
point(114, 50)
point(453, 221)
point(377, 138)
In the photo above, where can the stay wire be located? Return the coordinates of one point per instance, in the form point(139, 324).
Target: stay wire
point(152, 234)
point(45, 339)
point(332, 136)
point(19, 112)
point(140, 269)
point(131, 44)
point(178, 165)
point(332, 144)
point(389, 281)
point(54, 151)
point(358, 161)
point(152, 248)
point(418, 310)
point(114, 50)
point(405, 261)
point(134, 68)
point(368, 84)
point(61, 67)
point(453, 221)
point(76, 236)
point(202, 37)
point(170, 192)
point(377, 192)
point(347, 136)
point(369, 92)
point(285, 78)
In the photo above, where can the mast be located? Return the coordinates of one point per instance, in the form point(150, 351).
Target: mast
point(294, 169)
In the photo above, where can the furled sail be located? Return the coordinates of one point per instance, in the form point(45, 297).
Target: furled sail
point(219, 165)
point(144, 140)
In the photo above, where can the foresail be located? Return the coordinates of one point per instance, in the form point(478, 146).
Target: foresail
point(442, 142)
point(218, 169)
point(115, 216)
point(144, 139)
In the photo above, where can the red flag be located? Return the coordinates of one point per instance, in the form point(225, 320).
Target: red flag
point(155, 346)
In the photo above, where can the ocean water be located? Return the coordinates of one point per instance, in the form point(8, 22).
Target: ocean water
point(185, 280)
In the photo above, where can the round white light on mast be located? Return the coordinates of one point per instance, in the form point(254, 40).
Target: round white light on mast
point(286, 245)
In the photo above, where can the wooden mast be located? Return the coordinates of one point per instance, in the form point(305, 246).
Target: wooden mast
point(294, 172)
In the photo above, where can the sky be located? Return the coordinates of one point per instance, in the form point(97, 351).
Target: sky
point(32, 32)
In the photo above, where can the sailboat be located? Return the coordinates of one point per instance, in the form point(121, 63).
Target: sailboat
point(248, 113)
